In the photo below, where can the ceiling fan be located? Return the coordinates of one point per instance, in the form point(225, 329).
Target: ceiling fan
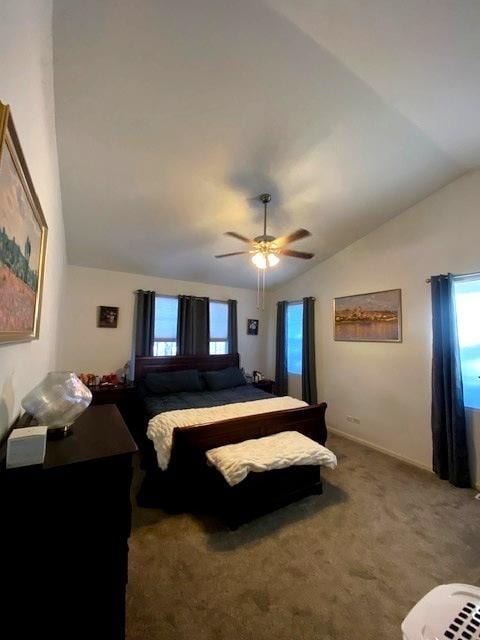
point(267, 249)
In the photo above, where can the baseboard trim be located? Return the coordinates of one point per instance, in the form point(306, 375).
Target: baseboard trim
point(377, 447)
point(387, 452)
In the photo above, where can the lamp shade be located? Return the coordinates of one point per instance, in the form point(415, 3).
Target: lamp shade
point(259, 260)
point(272, 259)
point(58, 400)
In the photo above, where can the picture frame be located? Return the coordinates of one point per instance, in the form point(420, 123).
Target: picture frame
point(107, 317)
point(252, 327)
point(368, 317)
point(23, 240)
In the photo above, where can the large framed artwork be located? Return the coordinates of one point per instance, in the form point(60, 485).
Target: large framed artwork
point(23, 238)
point(369, 317)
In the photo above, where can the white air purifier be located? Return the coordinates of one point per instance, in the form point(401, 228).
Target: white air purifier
point(448, 612)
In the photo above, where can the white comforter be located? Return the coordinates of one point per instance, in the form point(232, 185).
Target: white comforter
point(160, 428)
point(278, 451)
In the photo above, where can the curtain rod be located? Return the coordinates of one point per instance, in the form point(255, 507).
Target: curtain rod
point(460, 275)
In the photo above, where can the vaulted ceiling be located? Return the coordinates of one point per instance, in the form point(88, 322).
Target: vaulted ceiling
point(172, 115)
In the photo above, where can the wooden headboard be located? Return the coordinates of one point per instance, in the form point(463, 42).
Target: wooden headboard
point(158, 364)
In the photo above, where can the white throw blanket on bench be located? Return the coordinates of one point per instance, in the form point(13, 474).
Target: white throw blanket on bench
point(160, 428)
point(278, 451)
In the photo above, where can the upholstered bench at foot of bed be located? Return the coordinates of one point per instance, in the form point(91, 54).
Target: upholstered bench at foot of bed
point(258, 494)
point(262, 474)
point(276, 451)
point(261, 493)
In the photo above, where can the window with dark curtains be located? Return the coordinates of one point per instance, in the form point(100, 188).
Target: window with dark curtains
point(309, 372)
point(450, 453)
point(232, 327)
point(193, 326)
point(144, 322)
point(281, 377)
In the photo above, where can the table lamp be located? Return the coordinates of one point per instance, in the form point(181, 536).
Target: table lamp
point(58, 401)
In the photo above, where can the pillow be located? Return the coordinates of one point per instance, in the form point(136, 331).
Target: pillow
point(173, 382)
point(224, 379)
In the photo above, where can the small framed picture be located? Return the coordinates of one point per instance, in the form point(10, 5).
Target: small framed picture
point(107, 317)
point(252, 327)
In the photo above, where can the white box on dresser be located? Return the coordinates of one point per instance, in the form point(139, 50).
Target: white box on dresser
point(26, 446)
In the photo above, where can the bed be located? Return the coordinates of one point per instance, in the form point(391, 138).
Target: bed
point(189, 482)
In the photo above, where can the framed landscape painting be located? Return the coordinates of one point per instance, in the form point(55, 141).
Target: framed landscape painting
point(23, 237)
point(369, 317)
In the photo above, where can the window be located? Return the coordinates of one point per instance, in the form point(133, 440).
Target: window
point(218, 327)
point(294, 337)
point(166, 312)
point(467, 302)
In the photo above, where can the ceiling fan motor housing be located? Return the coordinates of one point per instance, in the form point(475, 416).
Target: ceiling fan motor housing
point(264, 239)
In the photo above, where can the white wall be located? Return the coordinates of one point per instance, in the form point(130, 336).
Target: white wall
point(387, 386)
point(84, 347)
point(26, 84)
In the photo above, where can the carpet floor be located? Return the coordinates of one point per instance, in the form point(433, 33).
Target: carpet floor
point(347, 565)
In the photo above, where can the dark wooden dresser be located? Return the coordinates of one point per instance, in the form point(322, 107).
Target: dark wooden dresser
point(65, 528)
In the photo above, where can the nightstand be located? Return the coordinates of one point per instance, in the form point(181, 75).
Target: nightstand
point(266, 385)
point(124, 397)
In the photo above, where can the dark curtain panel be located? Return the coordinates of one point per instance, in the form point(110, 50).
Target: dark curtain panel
point(309, 372)
point(232, 327)
point(144, 322)
point(450, 453)
point(281, 376)
point(193, 328)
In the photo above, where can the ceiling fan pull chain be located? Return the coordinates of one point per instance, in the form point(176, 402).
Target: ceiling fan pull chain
point(258, 288)
point(263, 288)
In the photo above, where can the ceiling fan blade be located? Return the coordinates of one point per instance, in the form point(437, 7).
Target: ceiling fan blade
point(296, 254)
point(235, 253)
point(236, 235)
point(292, 237)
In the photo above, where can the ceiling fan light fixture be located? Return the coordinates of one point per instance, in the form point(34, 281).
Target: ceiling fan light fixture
point(259, 260)
point(266, 249)
point(272, 260)
point(264, 259)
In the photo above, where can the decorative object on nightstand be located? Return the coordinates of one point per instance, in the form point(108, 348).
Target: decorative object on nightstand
point(58, 401)
point(257, 376)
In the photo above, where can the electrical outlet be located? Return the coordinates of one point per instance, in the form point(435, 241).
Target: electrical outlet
point(353, 419)
point(349, 419)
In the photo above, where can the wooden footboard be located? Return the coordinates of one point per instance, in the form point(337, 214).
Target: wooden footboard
point(308, 420)
point(192, 482)
point(191, 443)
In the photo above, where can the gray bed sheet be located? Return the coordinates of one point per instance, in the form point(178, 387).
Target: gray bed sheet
point(198, 399)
